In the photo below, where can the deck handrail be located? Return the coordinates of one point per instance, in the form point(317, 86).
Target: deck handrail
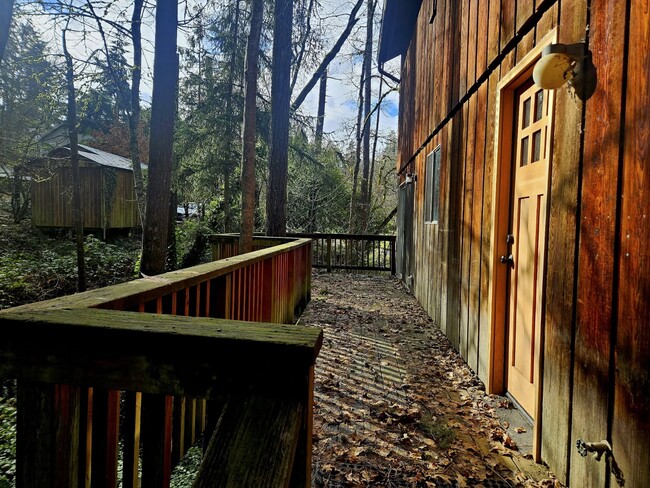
point(211, 333)
point(367, 252)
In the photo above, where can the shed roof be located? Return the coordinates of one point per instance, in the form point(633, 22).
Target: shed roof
point(104, 158)
point(97, 156)
point(397, 24)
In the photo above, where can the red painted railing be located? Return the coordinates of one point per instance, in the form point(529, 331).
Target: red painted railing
point(113, 359)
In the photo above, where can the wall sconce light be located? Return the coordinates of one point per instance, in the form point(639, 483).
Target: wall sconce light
point(562, 63)
point(559, 63)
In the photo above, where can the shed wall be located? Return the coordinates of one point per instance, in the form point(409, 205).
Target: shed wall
point(52, 199)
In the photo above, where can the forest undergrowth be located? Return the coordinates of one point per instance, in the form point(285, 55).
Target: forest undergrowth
point(37, 265)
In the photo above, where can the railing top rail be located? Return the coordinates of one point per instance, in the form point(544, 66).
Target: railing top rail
point(364, 237)
point(165, 354)
point(256, 237)
point(124, 295)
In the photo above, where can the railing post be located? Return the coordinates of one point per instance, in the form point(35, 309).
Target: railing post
point(301, 471)
point(329, 254)
point(48, 436)
point(393, 264)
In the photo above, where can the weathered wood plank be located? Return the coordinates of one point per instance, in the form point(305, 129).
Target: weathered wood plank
point(596, 262)
point(472, 42)
point(154, 353)
point(494, 12)
point(105, 425)
point(156, 440)
point(631, 416)
point(466, 226)
point(254, 444)
point(559, 313)
point(453, 236)
point(476, 256)
point(507, 32)
point(131, 452)
point(525, 9)
point(461, 48)
point(47, 444)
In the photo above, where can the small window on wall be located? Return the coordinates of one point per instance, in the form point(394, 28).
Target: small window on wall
point(432, 187)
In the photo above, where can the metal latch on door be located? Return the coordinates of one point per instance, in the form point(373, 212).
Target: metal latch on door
point(510, 260)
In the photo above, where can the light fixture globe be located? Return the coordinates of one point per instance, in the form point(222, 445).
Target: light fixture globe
point(553, 70)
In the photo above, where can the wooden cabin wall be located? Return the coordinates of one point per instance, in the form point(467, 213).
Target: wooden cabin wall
point(596, 380)
point(52, 199)
point(124, 212)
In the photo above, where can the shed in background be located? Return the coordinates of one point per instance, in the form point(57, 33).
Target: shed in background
point(108, 199)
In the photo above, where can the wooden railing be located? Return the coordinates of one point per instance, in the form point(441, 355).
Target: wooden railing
point(329, 251)
point(174, 352)
point(352, 251)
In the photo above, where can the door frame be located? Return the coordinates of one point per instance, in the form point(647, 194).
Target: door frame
point(499, 218)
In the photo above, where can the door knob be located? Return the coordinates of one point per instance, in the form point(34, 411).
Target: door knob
point(507, 260)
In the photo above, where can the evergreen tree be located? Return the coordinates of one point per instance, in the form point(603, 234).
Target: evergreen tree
point(30, 92)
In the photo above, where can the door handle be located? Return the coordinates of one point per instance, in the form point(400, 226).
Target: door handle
point(510, 260)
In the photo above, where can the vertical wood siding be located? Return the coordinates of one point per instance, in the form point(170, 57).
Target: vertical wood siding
point(596, 379)
point(52, 199)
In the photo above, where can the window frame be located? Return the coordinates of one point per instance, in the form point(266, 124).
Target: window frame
point(432, 186)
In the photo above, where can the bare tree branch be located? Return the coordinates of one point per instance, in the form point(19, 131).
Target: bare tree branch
point(352, 20)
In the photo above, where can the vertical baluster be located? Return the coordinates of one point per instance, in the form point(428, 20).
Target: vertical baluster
point(207, 297)
point(197, 307)
point(267, 290)
point(131, 452)
point(105, 425)
point(244, 293)
point(156, 440)
point(85, 437)
point(178, 430)
point(329, 254)
point(190, 421)
point(199, 422)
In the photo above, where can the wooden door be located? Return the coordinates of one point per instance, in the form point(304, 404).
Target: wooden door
point(405, 244)
point(531, 157)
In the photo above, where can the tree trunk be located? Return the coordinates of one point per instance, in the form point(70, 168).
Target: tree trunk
point(165, 77)
point(374, 145)
point(320, 120)
point(172, 250)
point(134, 118)
point(250, 112)
point(6, 12)
point(276, 198)
point(352, 227)
point(19, 197)
point(74, 164)
point(230, 134)
point(303, 45)
point(364, 203)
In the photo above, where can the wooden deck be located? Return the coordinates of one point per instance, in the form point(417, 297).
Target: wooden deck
point(200, 351)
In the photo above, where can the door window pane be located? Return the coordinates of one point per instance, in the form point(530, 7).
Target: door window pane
point(524, 152)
